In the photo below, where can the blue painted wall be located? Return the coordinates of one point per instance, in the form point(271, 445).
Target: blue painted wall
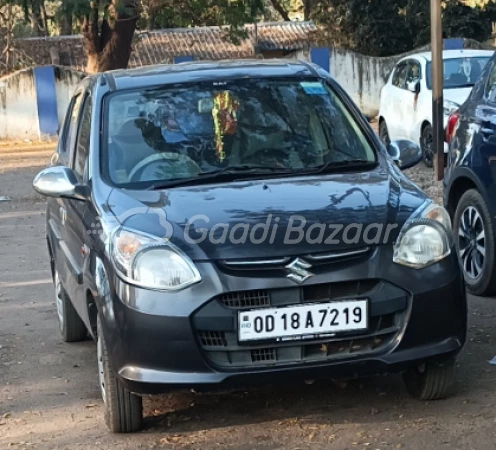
point(44, 81)
point(453, 44)
point(180, 59)
point(321, 57)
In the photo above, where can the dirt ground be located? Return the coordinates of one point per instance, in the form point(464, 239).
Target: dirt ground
point(49, 396)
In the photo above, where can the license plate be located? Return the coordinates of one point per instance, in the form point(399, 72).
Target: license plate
point(303, 321)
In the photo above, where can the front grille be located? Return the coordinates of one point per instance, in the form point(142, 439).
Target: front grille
point(382, 332)
point(248, 299)
point(387, 310)
point(212, 338)
point(263, 355)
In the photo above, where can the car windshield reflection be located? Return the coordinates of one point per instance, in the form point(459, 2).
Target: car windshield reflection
point(266, 126)
point(459, 72)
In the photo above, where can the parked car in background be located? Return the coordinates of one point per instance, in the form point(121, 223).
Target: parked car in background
point(470, 182)
point(406, 99)
point(204, 225)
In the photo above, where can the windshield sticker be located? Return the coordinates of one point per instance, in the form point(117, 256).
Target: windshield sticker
point(313, 87)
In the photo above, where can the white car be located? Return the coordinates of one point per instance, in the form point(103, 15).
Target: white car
point(406, 99)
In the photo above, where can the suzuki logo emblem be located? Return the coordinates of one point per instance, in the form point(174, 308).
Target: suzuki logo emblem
point(298, 271)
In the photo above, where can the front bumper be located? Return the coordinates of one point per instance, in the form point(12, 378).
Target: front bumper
point(157, 341)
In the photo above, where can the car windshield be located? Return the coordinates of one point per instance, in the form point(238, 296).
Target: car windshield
point(254, 126)
point(459, 72)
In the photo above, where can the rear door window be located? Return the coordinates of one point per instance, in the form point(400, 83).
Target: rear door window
point(68, 138)
point(83, 140)
point(399, 76)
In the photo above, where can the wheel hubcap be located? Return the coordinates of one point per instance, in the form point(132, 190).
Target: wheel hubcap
point(472, 243)
point(101, 377)
point(59, 301)
point(427, 145)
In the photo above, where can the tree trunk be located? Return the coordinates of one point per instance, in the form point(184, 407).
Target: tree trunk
point(153, 8)
point(8, 48)
point(307, 9)
point(37, 24)
point(108, 46)
point(66, 24)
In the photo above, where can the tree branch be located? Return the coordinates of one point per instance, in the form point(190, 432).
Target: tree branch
point(280, 9)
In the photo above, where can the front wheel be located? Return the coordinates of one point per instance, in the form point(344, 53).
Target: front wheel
point(123, 409)
point(71, 327)
point(430, 381)
point(475, 243)
point(427, 145)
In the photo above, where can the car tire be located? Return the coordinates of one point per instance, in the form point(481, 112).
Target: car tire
point(426, 144)
point(71, 327)
point(123, 409)
point(475, 243)
point(384, 133)
point(430, 381)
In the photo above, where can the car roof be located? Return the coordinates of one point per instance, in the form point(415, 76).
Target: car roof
point(450, 54)
point(198, 71)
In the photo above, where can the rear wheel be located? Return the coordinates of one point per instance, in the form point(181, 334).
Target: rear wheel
point(71, 326)
point(123, 409)
point(475, 243)
point(384, 133)
point(430, 381)
point(427, 145)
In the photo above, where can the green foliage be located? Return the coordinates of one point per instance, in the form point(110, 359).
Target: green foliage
point(382, 28)
point(186, 13)
point(373, 27)
point(469, 22)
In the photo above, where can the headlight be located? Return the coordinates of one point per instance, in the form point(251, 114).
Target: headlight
point(148, 262)
point(425, 238)
point(450, 107)
point(434, 212)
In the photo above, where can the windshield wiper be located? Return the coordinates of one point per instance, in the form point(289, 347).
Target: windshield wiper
point(229, 172)
point(337, 165)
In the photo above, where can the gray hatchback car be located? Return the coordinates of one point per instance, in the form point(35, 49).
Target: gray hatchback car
point(236, 223)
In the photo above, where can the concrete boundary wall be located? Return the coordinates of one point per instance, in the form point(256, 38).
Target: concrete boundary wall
point(33, 102)
point(363, 77)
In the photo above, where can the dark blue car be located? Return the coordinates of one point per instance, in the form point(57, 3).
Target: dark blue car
point(470, 183)
point(228, 224)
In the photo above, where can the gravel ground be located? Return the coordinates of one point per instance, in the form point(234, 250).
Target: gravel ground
point(426, 179)
point(49, 397)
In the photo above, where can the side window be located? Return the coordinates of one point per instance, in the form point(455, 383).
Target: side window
point(491, 85)
point(413, 72)
point(400, 75)
point(70, 127)
point(83, 140)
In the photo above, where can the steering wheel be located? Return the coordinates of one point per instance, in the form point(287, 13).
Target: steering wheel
point(169, 158)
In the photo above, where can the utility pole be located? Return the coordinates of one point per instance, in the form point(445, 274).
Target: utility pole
point(437, 86)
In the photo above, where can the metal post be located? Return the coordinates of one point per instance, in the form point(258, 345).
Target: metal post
point(437, 85)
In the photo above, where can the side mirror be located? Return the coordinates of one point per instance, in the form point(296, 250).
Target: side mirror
point(413, 86)
point(405, 154)
point(59, 182)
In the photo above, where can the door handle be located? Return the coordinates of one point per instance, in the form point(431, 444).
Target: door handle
point(487, 131)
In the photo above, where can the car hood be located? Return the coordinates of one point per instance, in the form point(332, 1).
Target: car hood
point(458, 96)
point(344, 204)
